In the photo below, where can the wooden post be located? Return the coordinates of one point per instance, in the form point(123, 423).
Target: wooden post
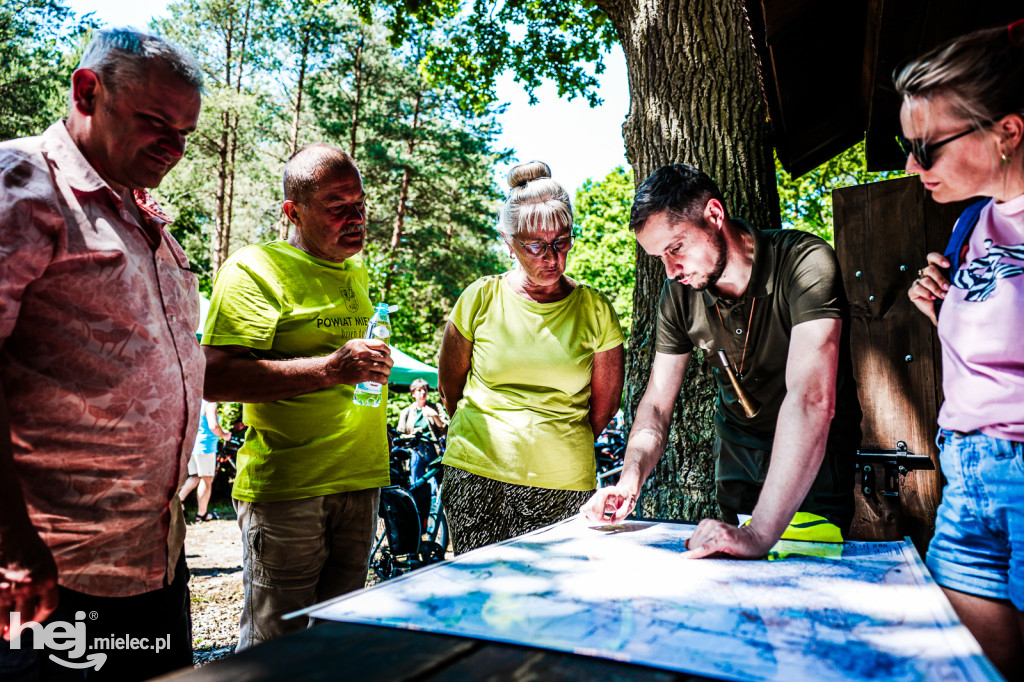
point(883, 232)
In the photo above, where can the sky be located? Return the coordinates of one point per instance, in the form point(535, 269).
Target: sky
point(575, 140)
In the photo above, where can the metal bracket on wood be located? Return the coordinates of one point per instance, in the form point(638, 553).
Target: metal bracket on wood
point(895, 463)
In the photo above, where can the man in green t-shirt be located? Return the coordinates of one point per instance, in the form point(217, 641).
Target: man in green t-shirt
point(774, 302)
point(284, 336)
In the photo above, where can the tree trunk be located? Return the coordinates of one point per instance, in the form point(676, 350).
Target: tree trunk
point(225, 244)
point(403, 200)
point(358, 68)
point(222, 228)
point(235, 122)
point(695, 97)
point(293, 144)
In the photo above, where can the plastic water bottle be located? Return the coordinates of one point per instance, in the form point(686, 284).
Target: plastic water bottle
point(368, 393)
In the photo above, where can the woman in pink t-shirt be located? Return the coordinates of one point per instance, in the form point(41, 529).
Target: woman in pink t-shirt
point(963, 118)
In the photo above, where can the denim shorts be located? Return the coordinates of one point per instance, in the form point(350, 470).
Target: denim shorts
point(978, 547)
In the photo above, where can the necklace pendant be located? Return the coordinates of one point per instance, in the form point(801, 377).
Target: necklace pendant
point(739, 377)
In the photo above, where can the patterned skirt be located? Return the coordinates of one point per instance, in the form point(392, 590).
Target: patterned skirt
point(482, 511)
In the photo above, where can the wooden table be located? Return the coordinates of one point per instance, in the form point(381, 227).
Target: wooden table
point(344, 651)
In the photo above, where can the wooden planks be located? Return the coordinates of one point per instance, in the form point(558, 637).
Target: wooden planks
point(883, 231)
point(344, 651)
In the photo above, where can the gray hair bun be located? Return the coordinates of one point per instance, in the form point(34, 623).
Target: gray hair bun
point(524, 172)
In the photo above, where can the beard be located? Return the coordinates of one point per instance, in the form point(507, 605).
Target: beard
point(711, 278)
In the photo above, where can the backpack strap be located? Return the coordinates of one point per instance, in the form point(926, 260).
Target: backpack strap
point(962, 232)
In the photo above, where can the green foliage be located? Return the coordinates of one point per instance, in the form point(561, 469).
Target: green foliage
point(604, 253)
point(190, 228)
point(806, 201)
point(228, 414)
point(36, 63)
point(284, 73)
point(535, 39)
point(396, 403)
point(229, 175)
point(427, 169)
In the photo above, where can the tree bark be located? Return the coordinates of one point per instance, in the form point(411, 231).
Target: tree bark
point(358, 69)
point(224, 247)
point(695, 97)
point(227, 147)
point(403, 199)
point(284, 225)
point(222, 228)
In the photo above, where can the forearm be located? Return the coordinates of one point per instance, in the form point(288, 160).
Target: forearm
point(250, 380)
point(21, 548)
point(606, 382)
point(798, 450)
point(451, 394)
point(453, 367)
point(14, 519)
point(600, 415)
point(605, 390)
point(212, 421)
point(645, 446)
point(654, 414)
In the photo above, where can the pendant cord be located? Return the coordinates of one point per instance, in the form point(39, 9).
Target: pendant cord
point(743, 357)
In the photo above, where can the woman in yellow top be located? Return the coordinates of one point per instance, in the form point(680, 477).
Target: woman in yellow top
point(531, 371)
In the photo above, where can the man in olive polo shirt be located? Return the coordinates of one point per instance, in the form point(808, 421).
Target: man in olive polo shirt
point(774, 302)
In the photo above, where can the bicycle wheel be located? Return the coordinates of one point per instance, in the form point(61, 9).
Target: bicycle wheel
point(437, 530)
point(382, 562)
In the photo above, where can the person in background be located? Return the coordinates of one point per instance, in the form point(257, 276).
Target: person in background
point(100, 370)
point(202, 466)
point(531, 370)
point(284, 336)
point(422, 415)
point(963, 122)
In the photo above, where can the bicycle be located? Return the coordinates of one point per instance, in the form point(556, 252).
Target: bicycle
point(609, 451)
point(412, 530)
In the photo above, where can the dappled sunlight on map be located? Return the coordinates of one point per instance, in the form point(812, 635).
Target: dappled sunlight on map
point(859, 611)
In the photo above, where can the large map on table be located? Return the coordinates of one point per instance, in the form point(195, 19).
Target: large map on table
point(859, 611)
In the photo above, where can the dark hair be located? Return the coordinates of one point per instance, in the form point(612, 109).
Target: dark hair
point(307, 167)
point(681, 190)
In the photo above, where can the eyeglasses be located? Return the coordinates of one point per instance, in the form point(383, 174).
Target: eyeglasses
point(923, 152)
point(540, 249)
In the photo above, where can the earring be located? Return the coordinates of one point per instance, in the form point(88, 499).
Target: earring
point(1004, 159)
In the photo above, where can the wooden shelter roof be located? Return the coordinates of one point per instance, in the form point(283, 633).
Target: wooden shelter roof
point(827, 68)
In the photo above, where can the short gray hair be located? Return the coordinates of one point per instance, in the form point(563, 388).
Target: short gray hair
point(419, 383)
point(121, 56)
point(535, 200)
point(309, 165)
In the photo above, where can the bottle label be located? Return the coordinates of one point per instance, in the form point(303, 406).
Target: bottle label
point(381, 332)
point(370, 387)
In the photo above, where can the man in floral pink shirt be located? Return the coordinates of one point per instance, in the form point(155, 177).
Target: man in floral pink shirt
point(100, 374)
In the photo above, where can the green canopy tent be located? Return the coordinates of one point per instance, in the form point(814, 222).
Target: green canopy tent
point(408, 368)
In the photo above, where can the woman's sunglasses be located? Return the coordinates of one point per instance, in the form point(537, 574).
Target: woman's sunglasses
point(924, 152)
point(538, 249)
